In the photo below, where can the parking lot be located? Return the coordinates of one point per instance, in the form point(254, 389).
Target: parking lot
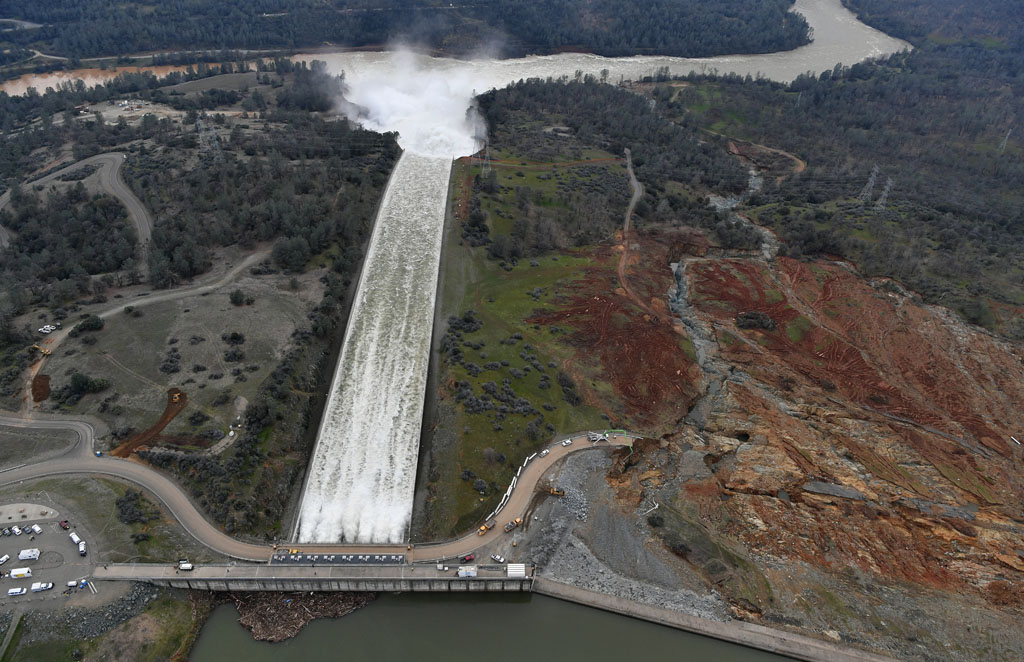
point(59, 561)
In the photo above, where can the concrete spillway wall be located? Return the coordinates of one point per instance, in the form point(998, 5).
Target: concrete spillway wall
point(273, 577)
point(452, 585)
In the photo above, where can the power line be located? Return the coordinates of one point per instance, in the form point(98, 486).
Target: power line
point(865, 193)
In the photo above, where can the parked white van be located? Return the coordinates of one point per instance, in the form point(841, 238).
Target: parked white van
point(74, 537)
point(28, 555)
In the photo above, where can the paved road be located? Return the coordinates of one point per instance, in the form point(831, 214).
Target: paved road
point(164, 488)
point(111, 182)
point(86, 433)
point(81, 460)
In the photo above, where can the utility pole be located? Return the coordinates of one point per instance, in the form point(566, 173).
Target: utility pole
point(1002, 145)
point(880, 205)
point(865, 194)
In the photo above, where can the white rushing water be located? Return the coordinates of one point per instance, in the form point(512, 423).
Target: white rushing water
point(360, 483)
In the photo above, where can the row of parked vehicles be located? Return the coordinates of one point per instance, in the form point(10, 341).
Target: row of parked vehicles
point(17, 530)
point(32, 554)
point(37, 587)
point(49, 328)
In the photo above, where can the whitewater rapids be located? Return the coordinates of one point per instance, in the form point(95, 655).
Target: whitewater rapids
point(360, 483)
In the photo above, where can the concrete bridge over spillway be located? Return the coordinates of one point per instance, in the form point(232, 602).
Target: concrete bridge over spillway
point(274, 577)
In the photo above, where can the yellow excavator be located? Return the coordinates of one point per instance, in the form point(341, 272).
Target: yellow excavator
point(555, 491)
point(42, 350)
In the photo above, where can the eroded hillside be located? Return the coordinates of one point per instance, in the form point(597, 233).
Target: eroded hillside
point(855, 430)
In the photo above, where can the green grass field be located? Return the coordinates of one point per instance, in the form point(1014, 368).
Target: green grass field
point(129, 351)
point(503, 300)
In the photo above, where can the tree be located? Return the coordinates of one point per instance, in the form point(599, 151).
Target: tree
point(237, 297)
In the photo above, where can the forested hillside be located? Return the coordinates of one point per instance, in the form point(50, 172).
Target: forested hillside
point(294, 177)
point(943, 126)
point(65, 237)
point(85, 28)
point(989, 22)
point(671, 163)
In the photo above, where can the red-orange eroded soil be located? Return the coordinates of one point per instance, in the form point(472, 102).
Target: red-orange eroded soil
point(873, 431)
point(639, 350)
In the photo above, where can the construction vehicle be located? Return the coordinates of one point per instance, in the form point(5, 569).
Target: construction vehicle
point(485, 527)
point(176, 397)
point(42, 350)
point(513, 524)
point(555, 491)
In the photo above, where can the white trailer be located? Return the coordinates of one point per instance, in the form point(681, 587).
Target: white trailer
point(28, 555)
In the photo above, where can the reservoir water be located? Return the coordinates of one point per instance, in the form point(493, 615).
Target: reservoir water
point(469, 628)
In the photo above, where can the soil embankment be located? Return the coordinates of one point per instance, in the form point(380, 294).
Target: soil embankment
point(176, 403)
point(40, 388)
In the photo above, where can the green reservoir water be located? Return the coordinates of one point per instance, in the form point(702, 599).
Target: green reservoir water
point(491, 628)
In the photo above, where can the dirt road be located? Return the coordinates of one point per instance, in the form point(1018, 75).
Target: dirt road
point(54, 340)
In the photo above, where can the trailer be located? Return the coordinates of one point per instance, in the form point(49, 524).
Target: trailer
point(28, 555)
point(21, 573)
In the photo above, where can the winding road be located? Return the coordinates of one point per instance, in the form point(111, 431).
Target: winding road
point(110, 181)
point(82, 460)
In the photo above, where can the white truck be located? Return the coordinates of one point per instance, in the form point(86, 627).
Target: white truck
point(41, 586)
point(21, 573)
point(28, 555)
point(74, 537)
